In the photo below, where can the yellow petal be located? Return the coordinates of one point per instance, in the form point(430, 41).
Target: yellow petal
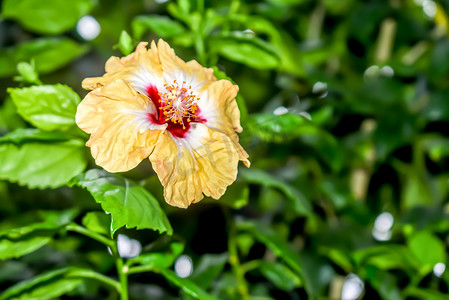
point(219, 107)
point(204, 163)
point(126, 67)
point(175, 68)
point(200, 71)
point(121, 134)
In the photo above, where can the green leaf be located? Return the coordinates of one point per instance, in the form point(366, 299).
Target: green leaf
point(48, 107)
point(9, 118)
point(427, 294)
point(40, 164)
point(129, 205)
point(428, 249)
point(416, 191)
point(439, 62)
point(27, 135)
point(97, 221)
point(438, 148)
point(17, 242)
point(159, 260)
point(245, 49)
point(281, 276)
point(339, 257)
point(48, 17)
point(281, 42)
point(51, 220)
point(286, 127)
point(27, 73)
point(47, 286)
point(314, 273)
point(27, 244)
point(185, 6)
point(161, 25)
point(273, 241)
point(186, 285)
point(384, 283)
point(277, 128)
point(49, 54)
point(208, 269)
point(53, 284)
point(244, 241)
point(125, 43)
point(227, 287)
point(299, 203)
point(386, 257)
point(285, 2)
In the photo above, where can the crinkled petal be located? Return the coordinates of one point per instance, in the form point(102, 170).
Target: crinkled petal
point(219, 107)
point(201, 72)
point(129, 67)
point(204, 162)
point(174, 68)
point(116, 116)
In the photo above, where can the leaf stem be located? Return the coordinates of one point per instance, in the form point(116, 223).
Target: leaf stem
point(97, 276)
point(201, 6)
point(141, 269)
point(122, 270)
point(316, 23)
point(386, 39)
point(233, 8)
point(251, 265)
point(199, 47)
point(93, 235)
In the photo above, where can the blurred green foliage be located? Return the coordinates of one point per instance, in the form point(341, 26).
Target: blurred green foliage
point(345, 115)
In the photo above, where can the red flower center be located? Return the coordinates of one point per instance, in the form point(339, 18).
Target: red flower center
point(176, 107)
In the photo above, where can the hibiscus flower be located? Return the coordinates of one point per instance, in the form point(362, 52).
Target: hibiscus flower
point(153, 104)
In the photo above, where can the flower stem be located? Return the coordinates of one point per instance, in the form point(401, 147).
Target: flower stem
point(122, 271)
point(239, 273)
point(123, 277)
